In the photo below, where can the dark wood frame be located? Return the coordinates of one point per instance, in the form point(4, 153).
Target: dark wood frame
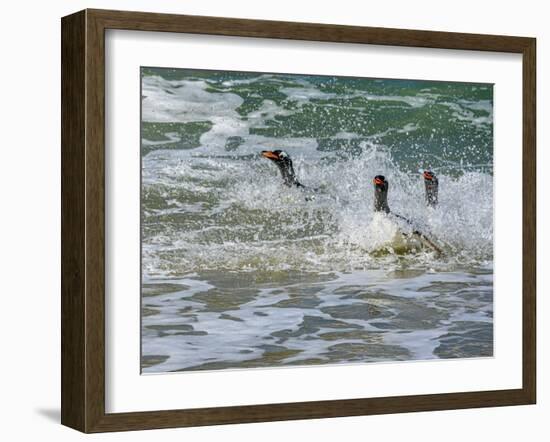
point(83, 218)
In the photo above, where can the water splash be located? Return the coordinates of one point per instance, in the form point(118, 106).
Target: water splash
point(233, 213)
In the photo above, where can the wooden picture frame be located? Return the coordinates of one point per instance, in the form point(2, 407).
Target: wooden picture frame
point(83, 220)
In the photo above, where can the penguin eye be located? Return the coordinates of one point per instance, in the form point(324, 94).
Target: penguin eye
point(283, 155)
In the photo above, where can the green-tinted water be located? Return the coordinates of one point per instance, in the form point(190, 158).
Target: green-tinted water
point(241, 271)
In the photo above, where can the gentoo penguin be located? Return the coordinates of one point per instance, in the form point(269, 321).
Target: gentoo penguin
point(431, 185)
point(284, 163)
point(381, 194)
point(381, 186)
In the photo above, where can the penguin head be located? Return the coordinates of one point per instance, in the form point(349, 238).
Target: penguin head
point(277, 156)
point(380, 183)
point(429, 175)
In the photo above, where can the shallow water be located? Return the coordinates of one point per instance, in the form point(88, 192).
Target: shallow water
point(240, 271)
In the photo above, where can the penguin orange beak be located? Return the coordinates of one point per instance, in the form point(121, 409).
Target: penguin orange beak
point(269, 154)
point(378, 181)
point(428, 175)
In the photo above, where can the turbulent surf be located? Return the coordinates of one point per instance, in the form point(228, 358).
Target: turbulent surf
point(241, 271)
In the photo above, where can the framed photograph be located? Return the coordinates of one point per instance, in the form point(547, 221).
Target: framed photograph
point(267, 221)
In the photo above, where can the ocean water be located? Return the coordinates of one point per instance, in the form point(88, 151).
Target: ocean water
point(239, 271)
